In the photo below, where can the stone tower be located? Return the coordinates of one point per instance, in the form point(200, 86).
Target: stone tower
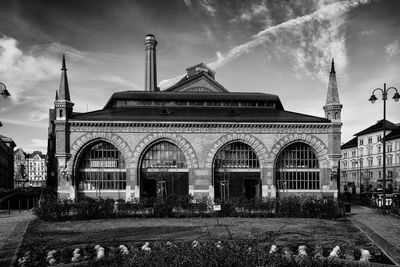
point(63, 111)
point(333, 108)
point(150, 79)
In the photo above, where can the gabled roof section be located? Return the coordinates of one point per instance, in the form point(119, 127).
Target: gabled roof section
point(377, 127)
point(395, 134)
point(350, 144)
point(199, 79)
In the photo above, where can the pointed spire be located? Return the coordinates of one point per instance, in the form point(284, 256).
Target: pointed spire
point(63, 92)
point(333, 93)
point(56, 95)
point(333, 66)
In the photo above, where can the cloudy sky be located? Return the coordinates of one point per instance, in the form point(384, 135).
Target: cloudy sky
point(270, 46)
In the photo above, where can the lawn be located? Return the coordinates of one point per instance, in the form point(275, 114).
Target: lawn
point(288, 232)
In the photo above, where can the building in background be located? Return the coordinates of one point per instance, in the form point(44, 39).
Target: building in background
point(20, 168)
point(195, 137)
point(362, 158)
point(37, 169)
point(7, 146)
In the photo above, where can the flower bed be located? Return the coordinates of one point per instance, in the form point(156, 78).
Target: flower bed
point(204, 253)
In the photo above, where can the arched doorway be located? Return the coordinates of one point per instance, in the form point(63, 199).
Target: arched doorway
point(236, 173)
point(163, 171)
point(101, 169)
point(297, 168)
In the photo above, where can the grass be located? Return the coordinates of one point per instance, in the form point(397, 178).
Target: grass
point(288, 232)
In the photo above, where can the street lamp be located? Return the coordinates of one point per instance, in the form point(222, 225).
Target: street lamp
point(373, 98)
point(5, 92)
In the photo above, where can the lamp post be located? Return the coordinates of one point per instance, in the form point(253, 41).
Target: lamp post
point(373, 98)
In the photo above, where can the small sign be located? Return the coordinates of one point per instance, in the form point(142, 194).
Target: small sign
point(217, 207)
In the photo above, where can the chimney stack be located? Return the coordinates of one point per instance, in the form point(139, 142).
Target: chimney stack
point(150, 79)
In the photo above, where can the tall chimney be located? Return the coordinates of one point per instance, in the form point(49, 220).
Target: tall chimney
point(150, 79)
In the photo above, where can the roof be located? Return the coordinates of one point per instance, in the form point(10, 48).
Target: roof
point(190, 96)
point(350, 144)
point(198, 114)
point(377, 127)
point(395, 134)
point(6, 139)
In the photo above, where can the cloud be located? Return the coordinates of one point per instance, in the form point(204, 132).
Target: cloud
point(309, 40)
point(392, 49)
point(37, 144)
point(188, 3)
point(208, 8)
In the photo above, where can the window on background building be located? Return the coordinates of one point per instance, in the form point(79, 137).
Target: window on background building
point(379, 160)
point(390, 174)
point(379, 174)
point(345, 155)
point(353, 153)
point(361, 142)
point(398, 158)
point(369, 162)
point(379, 138)
point(361, 163)
point(389, 160)
point(369, 150)
point(389, 147)
point(344, 164)
point(360, 151)
point(353, 176)
point(298, 168)
point(379, 149)
point(369, 140)
point(353, 164)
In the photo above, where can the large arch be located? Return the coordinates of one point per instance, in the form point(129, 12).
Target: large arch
point(179, 141)
point(163, 170)
point(319, 147)
point(250, 140)
point(87, 139)
point(236, 172)
point(297, 167)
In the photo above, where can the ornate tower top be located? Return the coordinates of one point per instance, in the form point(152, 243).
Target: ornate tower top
point(63, 91)
point(333, 107)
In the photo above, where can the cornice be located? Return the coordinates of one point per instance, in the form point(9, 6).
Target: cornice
point(109, 126)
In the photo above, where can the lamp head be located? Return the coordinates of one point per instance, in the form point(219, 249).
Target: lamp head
point(373, 99)
point(396, 97)
point(5, 93)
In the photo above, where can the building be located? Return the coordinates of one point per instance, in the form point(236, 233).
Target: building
point(6, 162)
point(20, 168)
point(37, 169)
point(195, 137)
point(362, 158)
point(30, 169)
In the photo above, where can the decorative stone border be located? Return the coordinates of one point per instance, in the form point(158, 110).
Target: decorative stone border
point(112, 138)
point(316, 143)
point(259, 148)
point(179, 141)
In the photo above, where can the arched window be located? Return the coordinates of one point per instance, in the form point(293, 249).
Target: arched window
point(163, 171)
point(101, 167)
point(61, 113)
point(297, 167)
point(236, 173)
point(336, 116)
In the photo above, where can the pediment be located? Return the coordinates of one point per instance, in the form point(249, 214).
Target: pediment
point(202, 84)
